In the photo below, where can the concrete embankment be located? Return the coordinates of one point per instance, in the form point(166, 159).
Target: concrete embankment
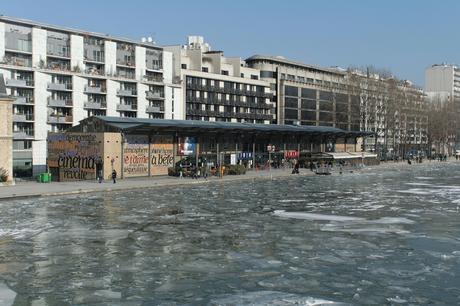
point(28, 189)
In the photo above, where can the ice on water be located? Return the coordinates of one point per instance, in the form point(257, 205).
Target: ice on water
point(376, 237)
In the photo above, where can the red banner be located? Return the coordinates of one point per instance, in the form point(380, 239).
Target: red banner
point(291, 154)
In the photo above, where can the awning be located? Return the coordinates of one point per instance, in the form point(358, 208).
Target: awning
point(351, 155)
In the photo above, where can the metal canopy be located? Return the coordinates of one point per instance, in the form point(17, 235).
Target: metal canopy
point(132, 125)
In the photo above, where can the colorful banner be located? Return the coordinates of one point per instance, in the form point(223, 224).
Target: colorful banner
point(291, 154)
point(74, 155)
point(161, 155)
point(136, 156)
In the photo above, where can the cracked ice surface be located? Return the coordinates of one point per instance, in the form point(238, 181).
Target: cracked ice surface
point(370, 238)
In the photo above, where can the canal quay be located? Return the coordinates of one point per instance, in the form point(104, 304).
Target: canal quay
point(384, 235)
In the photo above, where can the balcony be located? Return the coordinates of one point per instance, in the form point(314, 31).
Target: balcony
point(154, 67)
point(154, 95)
point(155, 109)
point(126, 107)
point(127, 64)
point(63, 53)
point(95, 89)
point(57, 66)
point(155, 79)
point(96, 59)
point(94, 71)
point(60, 86)
point(52, 102)
point(95, 105)
point(23, 101)
point(127, 92)
point(17, 61)
point(19, 83)
point(23, 117)
point(60, 119)
point(19, 135)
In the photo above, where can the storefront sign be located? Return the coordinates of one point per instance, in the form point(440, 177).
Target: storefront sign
point(161, 155)
point(291, 154)
point(74, 156)
point(245, 155)
point(135, 155)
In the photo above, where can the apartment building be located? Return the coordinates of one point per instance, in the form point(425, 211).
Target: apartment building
point(219, 88)
point(442, 86)
point(443, 81)
point(60, 76)
point(350, 100)
point(308, 95)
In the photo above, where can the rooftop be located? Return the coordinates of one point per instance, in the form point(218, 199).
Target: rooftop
point(282, 60)
point(74, 31)
point(132, 125)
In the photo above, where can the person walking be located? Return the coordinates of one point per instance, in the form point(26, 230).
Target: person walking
point(99, 171)
point(205, 171)
point(114, 176)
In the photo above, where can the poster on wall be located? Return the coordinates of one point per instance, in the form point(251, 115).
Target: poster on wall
point(329, 146)
point(73, 156)
point(136, 155)
point(186, 146)
point(232, 159)
point(161, 155)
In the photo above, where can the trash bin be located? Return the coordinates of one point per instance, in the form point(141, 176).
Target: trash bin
point(46, 177)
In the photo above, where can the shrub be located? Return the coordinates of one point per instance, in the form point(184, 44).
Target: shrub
point(3, 175)
point(235, 170)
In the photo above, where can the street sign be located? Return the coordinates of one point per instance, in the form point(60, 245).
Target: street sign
point(270, 148)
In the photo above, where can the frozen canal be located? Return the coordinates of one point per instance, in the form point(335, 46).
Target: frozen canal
point(386, 237)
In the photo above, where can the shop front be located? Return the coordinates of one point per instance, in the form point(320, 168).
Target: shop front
point(151, 147)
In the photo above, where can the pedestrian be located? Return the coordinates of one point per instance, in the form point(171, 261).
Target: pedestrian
point(99, 176)
point(194, 172)
point(99, 170)
point(114, 176)
point(205, 171)
point(296, 167)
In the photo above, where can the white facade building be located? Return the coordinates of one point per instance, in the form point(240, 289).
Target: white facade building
point(60, 76)
point(219, 88)
point(442, 87)
point(443, 82)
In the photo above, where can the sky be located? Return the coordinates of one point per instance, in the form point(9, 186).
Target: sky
point(403, 36)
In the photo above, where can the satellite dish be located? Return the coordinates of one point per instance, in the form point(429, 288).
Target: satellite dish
point(150, 39)
point(143, 39)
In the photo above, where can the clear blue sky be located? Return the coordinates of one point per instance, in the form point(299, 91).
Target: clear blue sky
point(402, 36)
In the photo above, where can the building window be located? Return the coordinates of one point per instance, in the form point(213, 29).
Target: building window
point(291, 91)
point(184, 66)
point(254, 77)
point(242, 75)
point(224, 72)
point(205, 69)
point(267, 74)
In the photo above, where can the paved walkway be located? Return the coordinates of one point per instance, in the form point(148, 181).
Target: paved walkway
point(27, 189)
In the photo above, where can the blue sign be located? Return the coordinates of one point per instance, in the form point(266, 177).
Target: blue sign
point(245, 156)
